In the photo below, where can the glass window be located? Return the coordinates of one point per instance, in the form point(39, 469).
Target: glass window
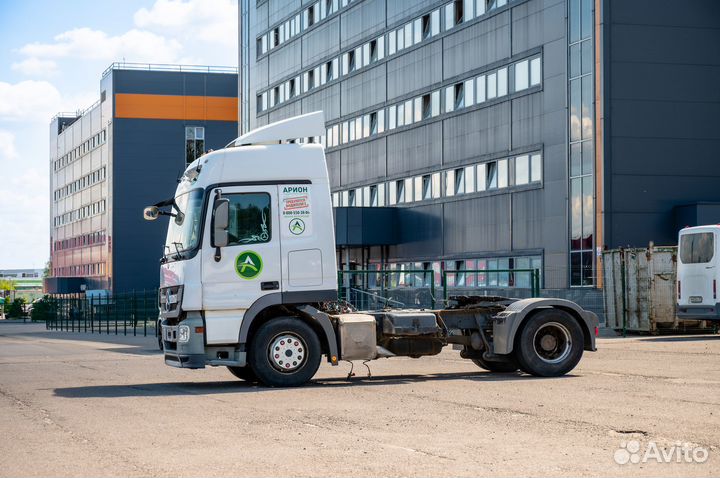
point(335, 199)
point(535, 168)
point(492, 175)
point(400, 189)
point(587, 107)
point(450, 182)
point(417, 30)
point(435, 103)
point(426, 187)
point(380, 47)
point(392, 114)
point(250, 221)
point(469, 10)
point(698, 248)
point(469, 93)
point(481, 88)
point(449, 99)
point(352, 198)
point(409, 190)
point(380, 115)
point(460, 181)
point(481, 177)
point(502, 82)
point(366, 54)
point(436, 189)
point(435, 22)
point(358, 59)
point(575, 107)
point(459, 90)
point(502, 173)
point(418, 105)
point(522, 170)
point(381, 194)
point(449, 16)
point(366, 126)
point(480, 7)
point(521, 75)
point(535, 73)
point(358, 128)
point(574, 60)
point(391, 43)
point(408, 35)
point(345, 137)
point(351, 136)
point(491, 86)
point(400, 33)
point(418, 188)
point(401, 114)
point(392, 193)
point(408, 112)
point(469, 179)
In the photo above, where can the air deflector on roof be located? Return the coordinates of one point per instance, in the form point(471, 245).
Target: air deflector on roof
point(303, 126)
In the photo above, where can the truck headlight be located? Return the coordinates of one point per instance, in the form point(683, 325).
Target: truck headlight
point(183, 333)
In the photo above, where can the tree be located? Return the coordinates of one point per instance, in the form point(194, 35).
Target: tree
point(17, 308)
point(6, 285)
point(41, 309)
point(48, 268)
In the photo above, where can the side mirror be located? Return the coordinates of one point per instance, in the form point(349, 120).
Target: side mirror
point(221, 219)
point(151, 213)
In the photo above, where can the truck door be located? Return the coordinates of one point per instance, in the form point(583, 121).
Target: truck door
point(248, 268)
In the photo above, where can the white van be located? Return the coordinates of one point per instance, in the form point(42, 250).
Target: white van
point(698, 273)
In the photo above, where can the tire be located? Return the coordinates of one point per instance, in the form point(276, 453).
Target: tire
point(244, 373)
point(506, 366)
point(550, 343)
point(284, 352)
point(161, 346)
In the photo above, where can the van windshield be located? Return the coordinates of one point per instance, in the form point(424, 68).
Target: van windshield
point(184, 233)
point(697, 248)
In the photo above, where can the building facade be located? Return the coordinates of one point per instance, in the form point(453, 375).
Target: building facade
point(512, 134)
point(124, 153)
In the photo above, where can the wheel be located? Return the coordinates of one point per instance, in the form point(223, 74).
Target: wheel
point(506, 366)
point(244, 373)
point(550, 343)
point(284, 352)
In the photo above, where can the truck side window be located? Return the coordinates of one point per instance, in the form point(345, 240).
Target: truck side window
point(250, 220)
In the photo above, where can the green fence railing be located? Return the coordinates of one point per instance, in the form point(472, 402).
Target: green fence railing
point(378, 289)
point(534, 275)
point(127, 313)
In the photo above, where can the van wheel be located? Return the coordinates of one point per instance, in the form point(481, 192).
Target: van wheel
point(284, 352)
point(550, 343)
point(244, 373)
point(506, 366)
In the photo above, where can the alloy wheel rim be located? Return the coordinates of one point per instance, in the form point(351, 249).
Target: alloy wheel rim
point(552, 342)
point(287, 352)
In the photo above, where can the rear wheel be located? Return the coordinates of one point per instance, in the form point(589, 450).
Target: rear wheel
point(506, 366)
point(284, 352)
point(244, 373)
point(550, 343)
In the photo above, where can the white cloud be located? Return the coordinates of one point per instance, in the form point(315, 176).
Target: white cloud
point(32, 100)
point(8, 152)
point(35, 67)
point(88, 44)
point(208, 21)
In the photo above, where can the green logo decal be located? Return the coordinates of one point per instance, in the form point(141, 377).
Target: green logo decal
point(248, 264)
point(297, 226)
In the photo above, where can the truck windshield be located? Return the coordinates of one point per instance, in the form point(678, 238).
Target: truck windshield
point(184, 234)
point(697, 248)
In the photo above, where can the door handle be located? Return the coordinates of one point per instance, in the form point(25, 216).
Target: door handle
point(272, 285)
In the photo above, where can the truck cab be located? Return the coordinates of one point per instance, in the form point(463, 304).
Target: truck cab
point(248, 279)
point(698, 273)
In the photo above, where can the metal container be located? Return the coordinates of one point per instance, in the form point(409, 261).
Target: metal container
point(358, 336)
point(639, 286)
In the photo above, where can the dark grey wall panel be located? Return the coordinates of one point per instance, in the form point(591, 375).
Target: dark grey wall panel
point(288, 110)
point(327, 100)
point(483, 131)
point(147, 157)
point(477, 45)
point(528, 213)
point(280, 9)
point(284, 61)
point(362, 21)
point(363, 90)
point(401, 11)
point(174, 83)
point(415, 150)
point(321, 42)
point(420, 234)
point(537, 22)
point(477, 225)
point(415, 70)
point(333, 164)
point(364, 162)
point(527, 121)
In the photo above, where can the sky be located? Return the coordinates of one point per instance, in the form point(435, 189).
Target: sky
point(52, 56)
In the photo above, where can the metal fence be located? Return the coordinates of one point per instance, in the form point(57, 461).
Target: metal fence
point(132, 313)
point(379, 289)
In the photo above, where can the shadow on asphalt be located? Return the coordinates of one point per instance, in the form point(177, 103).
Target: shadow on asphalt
point(239, 386)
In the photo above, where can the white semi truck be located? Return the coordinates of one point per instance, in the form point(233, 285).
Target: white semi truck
point(248, 279)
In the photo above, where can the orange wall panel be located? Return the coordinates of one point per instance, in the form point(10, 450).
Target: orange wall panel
point(175, 107)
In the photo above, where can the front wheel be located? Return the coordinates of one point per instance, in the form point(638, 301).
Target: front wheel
point(284, 352)
point(550, 343)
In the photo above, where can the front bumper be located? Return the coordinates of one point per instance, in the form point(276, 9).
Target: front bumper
point(189, 353)
point(698, 312)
